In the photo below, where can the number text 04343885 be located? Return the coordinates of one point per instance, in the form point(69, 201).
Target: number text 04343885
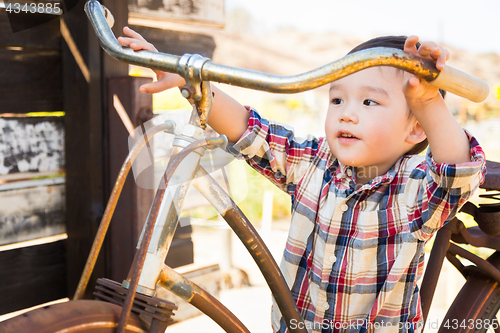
point(31, 7)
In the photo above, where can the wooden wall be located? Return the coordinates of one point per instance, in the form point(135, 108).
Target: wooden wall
point(86, 129)
point(57, 164)
point(32, 161)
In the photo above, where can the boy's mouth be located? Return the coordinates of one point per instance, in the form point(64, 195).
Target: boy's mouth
point(346, 135)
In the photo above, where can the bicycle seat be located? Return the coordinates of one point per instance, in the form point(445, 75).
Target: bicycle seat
point(487, 216)
point(476, 237)
point(492, 179)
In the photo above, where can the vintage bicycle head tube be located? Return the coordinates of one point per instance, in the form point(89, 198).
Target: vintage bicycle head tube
point(159, 228)
point(164, 215)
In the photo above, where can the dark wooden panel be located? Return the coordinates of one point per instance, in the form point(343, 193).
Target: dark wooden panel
point(111, 66)
point(30, 80)
point(31, 30)
point(32, 275)
point(84, 104)
point(30, 213)
point(133, 207)
point(181, 251)
point(31, 144)
point(83, 139)
point(177, 42)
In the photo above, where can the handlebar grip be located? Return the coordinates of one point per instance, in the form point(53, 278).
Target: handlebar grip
point(109, 17)
point(461, 84)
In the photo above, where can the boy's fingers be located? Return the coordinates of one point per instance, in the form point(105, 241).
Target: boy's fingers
point(136, 44)
point(165, 81)
point(125, 40)
point(131, 33)
point(432, 51)
point(428, 49)
point(442, 58)
point(410, 44)
point(411, 81)
point(437, 54)
point(140, 45)
point(155, 87)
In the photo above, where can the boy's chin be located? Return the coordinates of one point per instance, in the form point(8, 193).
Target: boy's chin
point(349, 162)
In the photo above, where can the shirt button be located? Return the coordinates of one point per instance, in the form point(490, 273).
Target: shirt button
point(344, 208)
point(326, 305)
point(333, 258)
point(349, 172)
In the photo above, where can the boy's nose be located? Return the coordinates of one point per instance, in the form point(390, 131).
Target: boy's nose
point(348, 114)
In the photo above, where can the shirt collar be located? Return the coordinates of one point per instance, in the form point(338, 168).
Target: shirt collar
point(343, 174)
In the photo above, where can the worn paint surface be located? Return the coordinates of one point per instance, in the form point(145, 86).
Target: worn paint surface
point(203, 11)
point(31, 213)
point(31, 144)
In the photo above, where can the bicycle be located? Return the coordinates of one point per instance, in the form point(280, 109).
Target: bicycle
point(131, 306)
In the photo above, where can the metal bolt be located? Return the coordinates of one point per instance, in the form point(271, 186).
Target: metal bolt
point(185, 93)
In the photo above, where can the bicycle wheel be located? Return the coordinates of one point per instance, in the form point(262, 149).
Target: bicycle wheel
point(74, 316)
point(476, 309)
point(491, 317)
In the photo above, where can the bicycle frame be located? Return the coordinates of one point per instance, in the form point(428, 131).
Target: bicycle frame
point(149, 268)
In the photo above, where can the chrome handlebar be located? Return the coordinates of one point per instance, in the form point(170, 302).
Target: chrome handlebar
point(197, 68)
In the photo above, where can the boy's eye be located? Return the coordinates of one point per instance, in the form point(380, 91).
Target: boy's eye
point(337, 101)
point(369, 102)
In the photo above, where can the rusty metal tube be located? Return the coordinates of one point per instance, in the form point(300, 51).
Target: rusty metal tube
point(488, 268)
point(452, 80)
point(434, 265)
point(322, 75)
point(258, 80)
point(110, 208)
point(199, 298)
point(137, 266)
point(223, 203)
point(168, 213)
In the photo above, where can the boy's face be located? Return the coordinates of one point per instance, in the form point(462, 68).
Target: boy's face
point(367, 123)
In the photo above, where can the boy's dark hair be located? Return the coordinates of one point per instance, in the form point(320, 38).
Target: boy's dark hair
point(397, 42)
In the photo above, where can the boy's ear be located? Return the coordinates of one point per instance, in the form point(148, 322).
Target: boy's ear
point(416, 134)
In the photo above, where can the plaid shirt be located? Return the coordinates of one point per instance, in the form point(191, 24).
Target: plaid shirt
point(354, 254)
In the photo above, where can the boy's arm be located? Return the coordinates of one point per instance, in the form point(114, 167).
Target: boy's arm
point(447, 140)
point(227, 116)
point(271, 148)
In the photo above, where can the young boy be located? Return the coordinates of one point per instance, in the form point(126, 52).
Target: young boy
point(363, 202)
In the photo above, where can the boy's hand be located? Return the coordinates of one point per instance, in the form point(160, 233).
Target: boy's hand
point(418, 92)
point(428, 107)
point(227, 115)
point(165, 80)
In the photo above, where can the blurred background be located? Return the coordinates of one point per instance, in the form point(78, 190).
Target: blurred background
point(293, 37)
point(63, 146)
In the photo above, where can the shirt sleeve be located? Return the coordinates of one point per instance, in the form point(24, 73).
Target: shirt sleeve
point(438, 191)
point(272, 149)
